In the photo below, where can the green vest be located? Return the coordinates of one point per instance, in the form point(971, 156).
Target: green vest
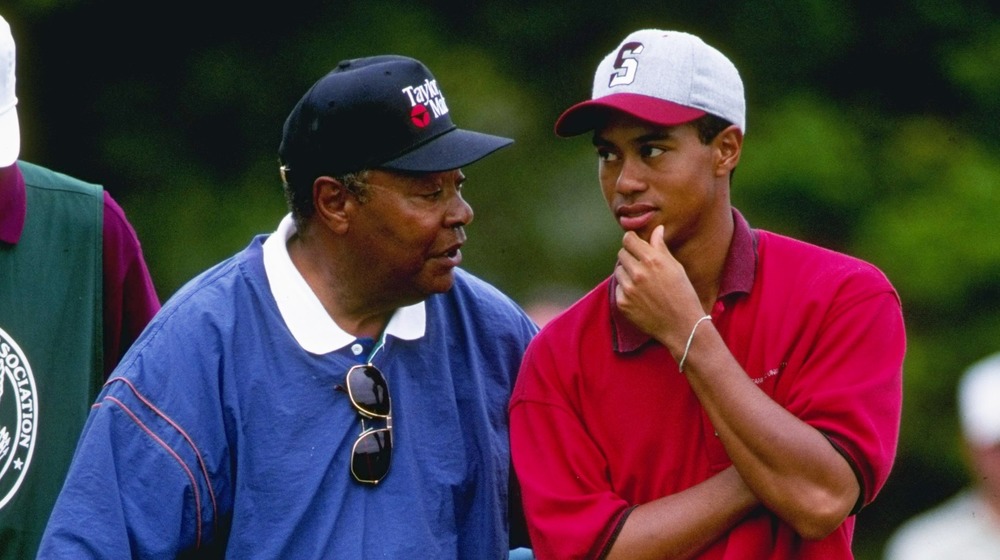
point(51, 344)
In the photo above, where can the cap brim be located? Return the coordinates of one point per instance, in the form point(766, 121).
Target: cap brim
point(10, 138)
point(589, 115)
point(451, 150)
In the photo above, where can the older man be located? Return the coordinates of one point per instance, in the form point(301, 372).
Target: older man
point(338, 389)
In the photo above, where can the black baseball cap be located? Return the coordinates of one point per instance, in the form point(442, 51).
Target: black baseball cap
point(384, 112)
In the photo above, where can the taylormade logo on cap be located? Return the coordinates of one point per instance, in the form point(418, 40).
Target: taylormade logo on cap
point(423, 96)
point(664, 77)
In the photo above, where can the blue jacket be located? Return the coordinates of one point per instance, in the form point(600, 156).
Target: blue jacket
point(219, 433)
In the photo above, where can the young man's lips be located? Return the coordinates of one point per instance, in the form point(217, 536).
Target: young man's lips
point(634, 217)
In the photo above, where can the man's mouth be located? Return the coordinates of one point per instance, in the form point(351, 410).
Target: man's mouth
point(634, 216)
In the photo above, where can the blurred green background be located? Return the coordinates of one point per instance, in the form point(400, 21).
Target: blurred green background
point(872, 128)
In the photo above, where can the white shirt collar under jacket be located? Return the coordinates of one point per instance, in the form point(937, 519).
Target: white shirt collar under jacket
point(308, 321)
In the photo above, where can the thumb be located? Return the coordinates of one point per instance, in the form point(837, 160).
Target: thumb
point(656, 238)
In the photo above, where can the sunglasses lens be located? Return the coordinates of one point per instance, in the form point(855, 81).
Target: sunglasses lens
point(372, 451)
point(371, 454)
point(368, 390)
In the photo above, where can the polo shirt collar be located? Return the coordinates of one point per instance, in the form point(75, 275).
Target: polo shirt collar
point(13, 204)
point(306, 318)
point(737, 278)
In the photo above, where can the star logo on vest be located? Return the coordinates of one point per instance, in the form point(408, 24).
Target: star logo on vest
point(18, 417)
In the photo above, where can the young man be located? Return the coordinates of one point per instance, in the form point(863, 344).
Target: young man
point(728, 392)
point(75, 293)
point(338, 389)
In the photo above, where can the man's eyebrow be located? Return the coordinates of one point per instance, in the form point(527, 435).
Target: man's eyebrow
point(658, 135)
point(599, 141)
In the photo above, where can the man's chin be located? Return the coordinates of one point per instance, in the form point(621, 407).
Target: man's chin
point(439, 284)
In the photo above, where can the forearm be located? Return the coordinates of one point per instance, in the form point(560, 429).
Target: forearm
point(789, 465)
point(683, 524)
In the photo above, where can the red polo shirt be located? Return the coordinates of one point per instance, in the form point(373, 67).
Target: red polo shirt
point(130, 299)
point(602, 420)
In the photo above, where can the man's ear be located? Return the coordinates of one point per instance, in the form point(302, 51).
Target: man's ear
point(729, 146)
point(332, 200)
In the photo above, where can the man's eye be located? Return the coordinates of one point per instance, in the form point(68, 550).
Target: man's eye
point(606, 155)
point(651, 151)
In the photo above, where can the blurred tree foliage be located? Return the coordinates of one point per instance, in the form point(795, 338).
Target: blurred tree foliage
point(872, 128)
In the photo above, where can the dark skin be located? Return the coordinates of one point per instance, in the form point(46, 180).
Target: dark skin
point(366, 256)
point(670, 192)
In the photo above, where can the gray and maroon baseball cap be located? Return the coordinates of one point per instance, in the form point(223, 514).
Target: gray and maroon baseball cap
point(379, 112)
point(663, 77)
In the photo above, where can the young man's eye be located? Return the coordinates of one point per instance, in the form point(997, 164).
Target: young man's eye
point(606, 155)
point(651, 151)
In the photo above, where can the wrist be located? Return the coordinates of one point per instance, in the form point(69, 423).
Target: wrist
point(690, 339)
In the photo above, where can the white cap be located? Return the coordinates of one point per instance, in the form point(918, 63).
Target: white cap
point(979, 402)
point(10, 133)
point(663, 77)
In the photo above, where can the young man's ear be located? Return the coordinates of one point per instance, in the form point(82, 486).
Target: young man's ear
point(729, 146)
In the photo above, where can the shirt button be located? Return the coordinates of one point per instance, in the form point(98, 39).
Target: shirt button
point(357, 349)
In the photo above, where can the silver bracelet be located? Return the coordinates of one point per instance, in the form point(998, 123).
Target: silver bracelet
point(687, 348)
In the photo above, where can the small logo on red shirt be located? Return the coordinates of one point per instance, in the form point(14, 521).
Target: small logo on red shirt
point(773, 372)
